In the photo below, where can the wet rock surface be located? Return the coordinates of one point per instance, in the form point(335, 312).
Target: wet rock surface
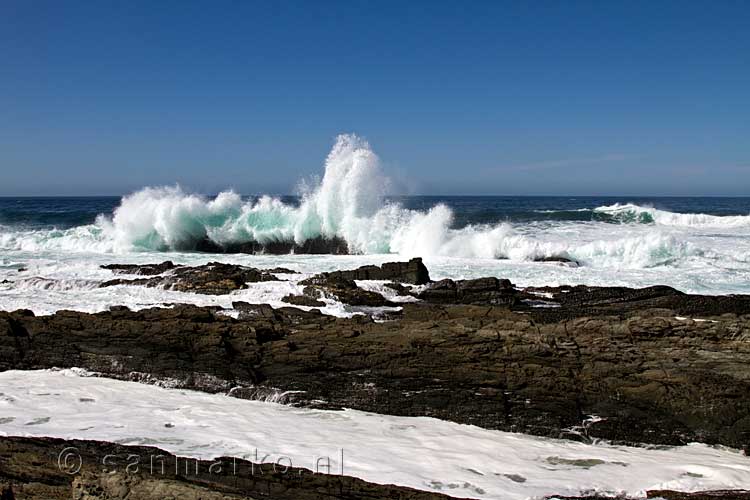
point(486, 291)
point(558, 259)
point(413, 272)
point(342, 289)
point(613, 364)
point(584, 300)
point(30, 469)
point(320, 245)
point(141, 269)
point(214, 278)
point(398, 288)
point(670, 495)
point(303, 300)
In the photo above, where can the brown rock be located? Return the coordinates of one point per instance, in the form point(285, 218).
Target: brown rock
point(342, 289)
point(413, 272)
point(303, 300)
point(489, 291)
point(30, 469)
point(649, 376)
point(141, 269)
point(214, 278)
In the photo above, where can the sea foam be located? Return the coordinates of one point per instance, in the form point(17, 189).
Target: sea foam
point(348, 204)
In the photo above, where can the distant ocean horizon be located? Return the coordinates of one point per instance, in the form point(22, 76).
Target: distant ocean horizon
point(62, 212)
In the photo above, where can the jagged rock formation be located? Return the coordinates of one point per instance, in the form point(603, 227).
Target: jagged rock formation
point(342, 289)
point(485, 291)
point(341, 285)
point(141, 269)
point(214, 278)
point(413, 272)
point(303, 300)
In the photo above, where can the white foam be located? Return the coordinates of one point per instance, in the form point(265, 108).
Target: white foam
point(423, 453)
point(636, 213)
point(348, 203)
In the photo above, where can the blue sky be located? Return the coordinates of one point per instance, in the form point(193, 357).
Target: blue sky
point(648, 98)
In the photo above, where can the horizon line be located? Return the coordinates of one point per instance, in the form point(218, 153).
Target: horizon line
point(412, 195)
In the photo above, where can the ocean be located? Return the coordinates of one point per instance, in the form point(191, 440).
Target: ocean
point(52, 250)
point(696, 245)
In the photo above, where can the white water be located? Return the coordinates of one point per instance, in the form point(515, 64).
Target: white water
point(663, 218)
point(423, 453)
point(55, 281)
point(348, 203)
point(693, 252)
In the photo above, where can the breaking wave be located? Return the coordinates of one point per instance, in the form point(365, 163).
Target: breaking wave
point(631, 213)
point(348, 205)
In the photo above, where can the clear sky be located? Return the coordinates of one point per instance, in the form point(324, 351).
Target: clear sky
point(460, 97)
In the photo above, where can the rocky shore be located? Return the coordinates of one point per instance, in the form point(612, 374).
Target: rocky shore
point(56, 469)
point(634, 366)
point(646, 365)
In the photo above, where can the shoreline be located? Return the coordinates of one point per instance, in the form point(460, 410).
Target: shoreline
point(650, 366)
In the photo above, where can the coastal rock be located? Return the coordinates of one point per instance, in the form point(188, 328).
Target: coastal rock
point(141, 269)
point(319, 245)
point(30, 468)
point(558, 259)
point(413, 272)
point(303, 300)
point(342, 289)
point(700, 495)
point(214, 278)
point(487, 291)
point(628, 375)
point(400, 289)
point(577, 301)
point(281, 270)
point(669, 495)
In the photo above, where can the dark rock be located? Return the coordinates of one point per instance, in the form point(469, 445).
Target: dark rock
point(559, 259)
point(255, 311)
point(668, 495)
point(342, 289)
point(280, 270)
point(141, 269)
point(303, 300)
point(489, 291)
point(701, 495)
point(341, 285)
point(320, 245)
point(413, 272)
point(32, 467)
point(214, 278)
point(22, 269)
point(398, 288)
point(583, 300)
point(649, 376)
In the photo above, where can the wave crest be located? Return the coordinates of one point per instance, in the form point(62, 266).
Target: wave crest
point(632, 213)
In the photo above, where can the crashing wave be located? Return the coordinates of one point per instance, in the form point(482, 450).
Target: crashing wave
point(629, 212)
point(346, 213)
